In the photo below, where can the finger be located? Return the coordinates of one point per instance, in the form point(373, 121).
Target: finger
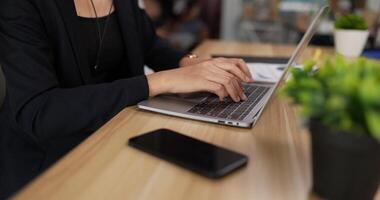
point(236, 83)
point(232, 90)
point(240, 90)
point(237, 88)
point(228, 86)
point(233, 69)
point(229, 82)
point(243, 66)
point(215, 70)
point(217, 89)
point(227, 79)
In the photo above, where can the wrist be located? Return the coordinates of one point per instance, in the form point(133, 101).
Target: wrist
point(189, 59)
point(158, 83)
point(154, 82)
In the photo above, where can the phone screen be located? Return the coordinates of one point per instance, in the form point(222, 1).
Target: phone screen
point(206, 159)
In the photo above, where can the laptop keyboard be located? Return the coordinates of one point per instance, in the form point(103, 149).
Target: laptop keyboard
point(228, 109)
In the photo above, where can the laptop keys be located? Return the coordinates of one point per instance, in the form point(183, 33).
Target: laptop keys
point(228, 109)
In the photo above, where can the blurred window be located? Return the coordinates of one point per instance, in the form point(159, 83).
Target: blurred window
point(178, 21)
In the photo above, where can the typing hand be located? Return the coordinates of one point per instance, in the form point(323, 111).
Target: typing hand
point(220, 76)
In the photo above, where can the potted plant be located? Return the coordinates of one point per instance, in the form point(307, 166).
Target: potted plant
point(341, 99)
point(351, 35)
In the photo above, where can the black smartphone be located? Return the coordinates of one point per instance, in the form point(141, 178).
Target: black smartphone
point(201, 157)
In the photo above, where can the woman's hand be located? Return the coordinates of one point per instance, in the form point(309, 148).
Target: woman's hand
point(192, 59)
point(220, 76)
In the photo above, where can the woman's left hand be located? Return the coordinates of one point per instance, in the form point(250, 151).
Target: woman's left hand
point(187, 61)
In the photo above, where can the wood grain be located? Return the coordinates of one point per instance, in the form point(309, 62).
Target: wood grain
point(104, 167)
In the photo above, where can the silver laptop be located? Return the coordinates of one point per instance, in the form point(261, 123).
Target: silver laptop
point(207, 107)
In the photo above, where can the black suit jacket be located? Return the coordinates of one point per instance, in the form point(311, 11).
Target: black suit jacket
point(52, 102)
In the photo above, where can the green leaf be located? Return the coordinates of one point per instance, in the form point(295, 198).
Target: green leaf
point(373, 121)
point(352, 22)
point(343, 94)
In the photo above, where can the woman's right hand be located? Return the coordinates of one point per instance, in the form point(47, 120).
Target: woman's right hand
point(220, 76)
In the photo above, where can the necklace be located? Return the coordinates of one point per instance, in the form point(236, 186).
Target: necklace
point(100, 34)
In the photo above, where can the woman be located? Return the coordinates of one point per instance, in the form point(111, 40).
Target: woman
point(71, 65)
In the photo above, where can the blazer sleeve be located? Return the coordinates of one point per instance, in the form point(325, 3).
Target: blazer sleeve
point(39, 106)
point(158, 54)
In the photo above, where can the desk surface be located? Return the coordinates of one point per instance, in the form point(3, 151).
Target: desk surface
point(104, 167)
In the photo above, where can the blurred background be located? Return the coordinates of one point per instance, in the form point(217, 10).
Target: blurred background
point(186, 23)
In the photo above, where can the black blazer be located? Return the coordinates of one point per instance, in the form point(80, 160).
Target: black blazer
point(52, 103)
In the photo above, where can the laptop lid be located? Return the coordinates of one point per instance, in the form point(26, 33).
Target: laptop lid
point(300, 48)
point(304, 42)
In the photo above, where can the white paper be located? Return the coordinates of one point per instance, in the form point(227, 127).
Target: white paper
point(266, 72)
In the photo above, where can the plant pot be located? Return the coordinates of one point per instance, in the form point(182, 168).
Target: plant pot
point(345, 165)
point(350, 43)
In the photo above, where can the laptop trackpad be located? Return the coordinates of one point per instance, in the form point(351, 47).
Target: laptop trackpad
point(176, 102)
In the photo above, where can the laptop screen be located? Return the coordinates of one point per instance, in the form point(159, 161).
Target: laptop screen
point(299, 50)
point(305, 41)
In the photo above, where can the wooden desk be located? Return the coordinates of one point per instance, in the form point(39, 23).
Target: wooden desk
point(104, 167)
